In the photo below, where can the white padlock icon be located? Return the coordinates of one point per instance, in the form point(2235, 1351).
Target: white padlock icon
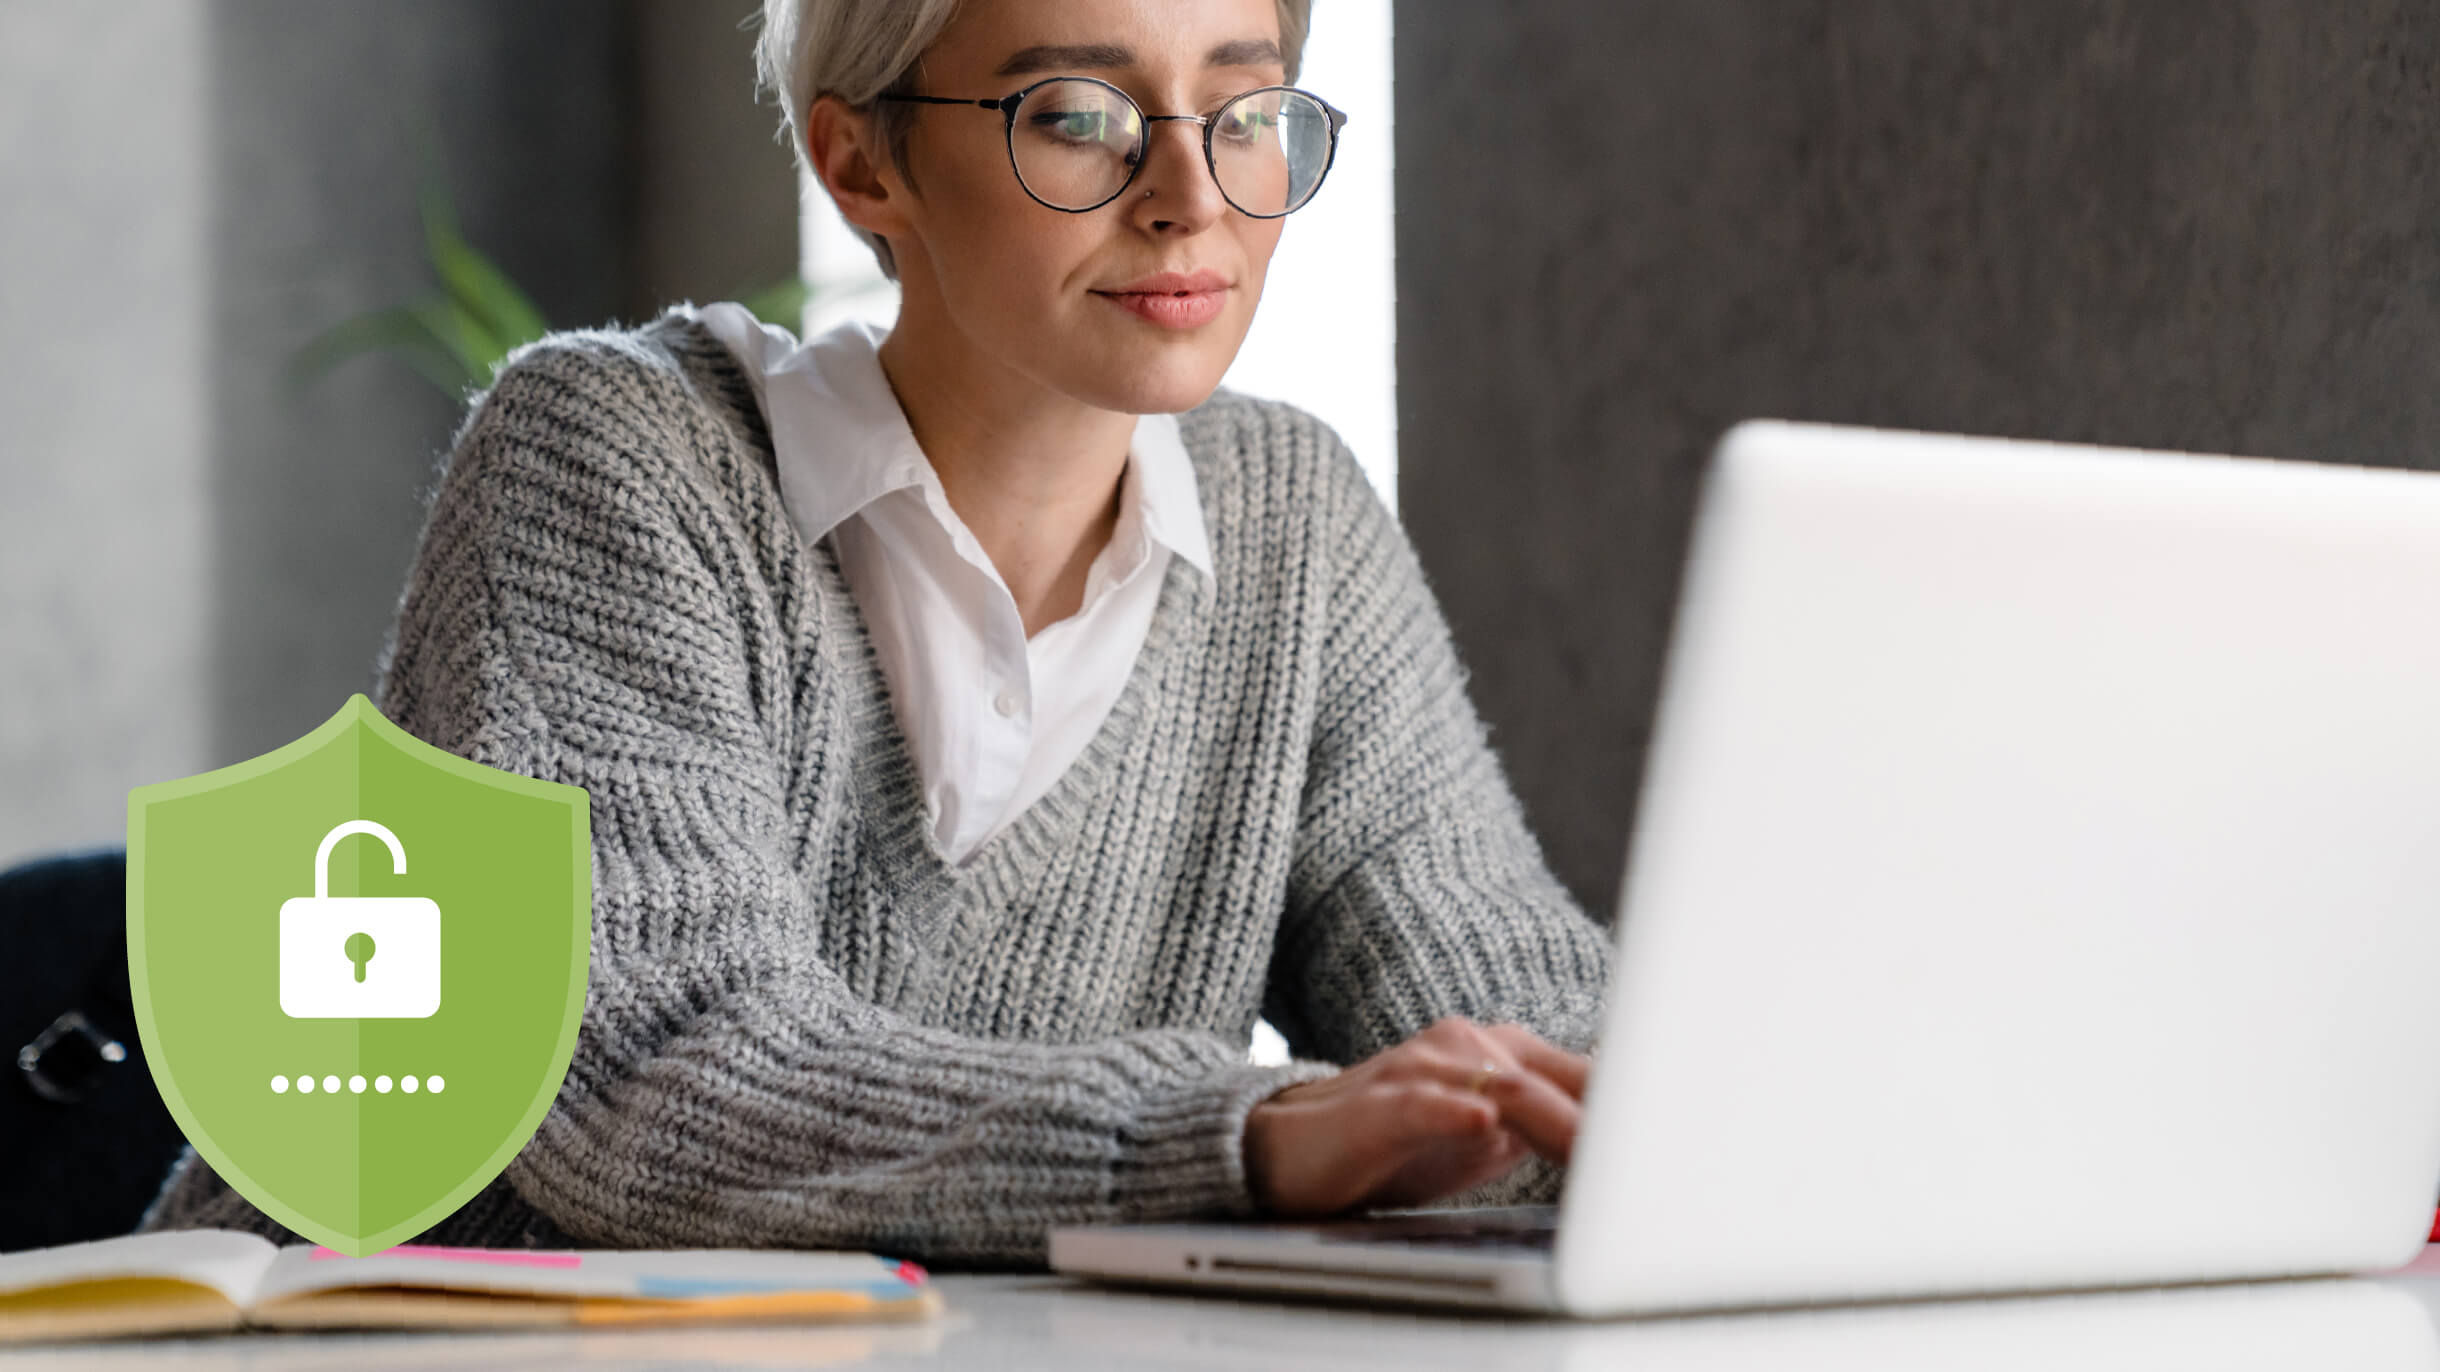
point(359, 957)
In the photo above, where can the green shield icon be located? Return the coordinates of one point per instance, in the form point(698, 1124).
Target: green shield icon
point(359, 964)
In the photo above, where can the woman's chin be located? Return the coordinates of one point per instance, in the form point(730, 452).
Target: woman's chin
point(1169, 390)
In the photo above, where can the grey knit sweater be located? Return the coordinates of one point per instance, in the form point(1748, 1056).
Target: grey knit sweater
point(804, 1028)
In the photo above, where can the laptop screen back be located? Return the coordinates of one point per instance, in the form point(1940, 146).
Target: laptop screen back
point(2036, 881)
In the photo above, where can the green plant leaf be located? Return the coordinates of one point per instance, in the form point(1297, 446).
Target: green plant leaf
point(398, 330)
point(498, 309)
point(456, 340)
point(465, 337)
point(782, 302)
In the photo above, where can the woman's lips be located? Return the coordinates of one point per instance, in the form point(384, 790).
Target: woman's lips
point(1170, 310)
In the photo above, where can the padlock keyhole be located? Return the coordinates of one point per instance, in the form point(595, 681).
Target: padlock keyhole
point(359, 950)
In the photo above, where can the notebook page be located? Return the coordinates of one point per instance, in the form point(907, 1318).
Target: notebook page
point(226, 1262)
point(688, 1274)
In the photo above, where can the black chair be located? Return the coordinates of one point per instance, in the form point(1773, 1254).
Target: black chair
point(84, 1138)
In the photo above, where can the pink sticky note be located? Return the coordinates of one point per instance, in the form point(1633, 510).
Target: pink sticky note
point(503, 1257)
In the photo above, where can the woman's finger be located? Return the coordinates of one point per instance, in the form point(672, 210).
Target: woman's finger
point(1436, 1166)
point(1446, 1062)
point(1460, 1053)
point(1568, 1071)
point(1537, 1108)
point(1394, 1139)
point(1540, 1109)
point(1489, 1052)
point(1426, 1111)
point(1451, 1107)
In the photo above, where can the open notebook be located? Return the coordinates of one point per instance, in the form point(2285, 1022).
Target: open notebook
point(197, 1280)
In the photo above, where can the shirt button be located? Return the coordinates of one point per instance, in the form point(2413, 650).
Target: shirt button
point(1006, 704)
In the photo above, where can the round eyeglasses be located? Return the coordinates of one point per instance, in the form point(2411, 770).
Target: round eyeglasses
point(1075, 143)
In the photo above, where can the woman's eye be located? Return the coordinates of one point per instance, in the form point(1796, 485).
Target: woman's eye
point(1082, 126)
point(1247, 128)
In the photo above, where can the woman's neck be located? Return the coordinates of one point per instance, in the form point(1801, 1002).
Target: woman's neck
point(1033, 473)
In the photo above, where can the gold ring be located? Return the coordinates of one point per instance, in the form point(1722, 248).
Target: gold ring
point(1482, 1077)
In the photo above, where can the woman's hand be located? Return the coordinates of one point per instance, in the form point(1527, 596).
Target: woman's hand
point(1416, 1122)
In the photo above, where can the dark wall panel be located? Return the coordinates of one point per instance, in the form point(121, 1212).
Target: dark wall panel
point(610, 157)
point(1621, 227)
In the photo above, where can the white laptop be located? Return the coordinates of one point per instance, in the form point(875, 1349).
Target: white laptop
point(2035, 886)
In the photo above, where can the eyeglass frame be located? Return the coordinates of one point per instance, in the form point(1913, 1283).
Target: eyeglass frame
point(1007, 106)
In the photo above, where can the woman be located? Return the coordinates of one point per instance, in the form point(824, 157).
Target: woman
point(987, 722)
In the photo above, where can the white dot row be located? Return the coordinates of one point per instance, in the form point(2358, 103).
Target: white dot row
point(381, 1084)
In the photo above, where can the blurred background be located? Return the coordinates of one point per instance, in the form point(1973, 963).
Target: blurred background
point(1569, 243)
point(207, 511)
point(1566, 243)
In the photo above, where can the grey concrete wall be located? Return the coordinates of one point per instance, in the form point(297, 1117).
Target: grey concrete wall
point(2177, 223)
point(315, 113)
point(197, 561)
point(105, 508)
point(715, 186)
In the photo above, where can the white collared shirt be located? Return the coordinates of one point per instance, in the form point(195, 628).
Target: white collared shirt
point(993, 718)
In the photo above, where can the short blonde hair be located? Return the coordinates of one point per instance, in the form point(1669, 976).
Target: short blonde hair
point(857, 49)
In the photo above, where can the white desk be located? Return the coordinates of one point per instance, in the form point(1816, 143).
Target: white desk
point(1049, 1323)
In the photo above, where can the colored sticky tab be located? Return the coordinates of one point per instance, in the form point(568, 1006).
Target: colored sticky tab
point(500, 1257)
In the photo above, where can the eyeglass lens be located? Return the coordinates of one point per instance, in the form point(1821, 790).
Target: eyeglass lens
point(1075, 142)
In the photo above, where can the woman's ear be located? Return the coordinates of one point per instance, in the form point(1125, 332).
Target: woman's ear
point(853, 167)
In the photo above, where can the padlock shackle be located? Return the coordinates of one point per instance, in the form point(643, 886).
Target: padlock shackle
point(321, 855)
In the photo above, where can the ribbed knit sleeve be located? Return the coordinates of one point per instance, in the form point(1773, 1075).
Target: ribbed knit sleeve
point(1417, 889)
point(582, 612)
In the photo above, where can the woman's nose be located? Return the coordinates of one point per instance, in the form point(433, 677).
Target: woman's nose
point(1177, 178)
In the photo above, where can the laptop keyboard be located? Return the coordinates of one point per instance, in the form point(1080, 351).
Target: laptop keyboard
point(1531, 1227)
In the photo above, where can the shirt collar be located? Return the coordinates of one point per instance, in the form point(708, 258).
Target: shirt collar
point(1172, 502)
point(843, 442)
